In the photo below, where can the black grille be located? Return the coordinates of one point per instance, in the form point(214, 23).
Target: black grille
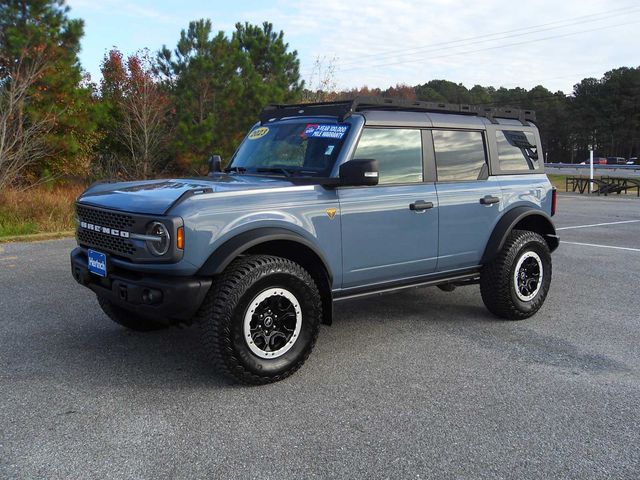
point(106, 242)
point(114, 232)
point(119, 221)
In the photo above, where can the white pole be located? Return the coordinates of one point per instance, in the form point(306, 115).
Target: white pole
point(591, 170)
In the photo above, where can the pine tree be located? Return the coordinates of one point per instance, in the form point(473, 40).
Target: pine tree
point(220, 84)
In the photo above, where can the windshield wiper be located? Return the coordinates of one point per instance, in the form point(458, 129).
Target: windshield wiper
point(284, 171)
point(235, 169)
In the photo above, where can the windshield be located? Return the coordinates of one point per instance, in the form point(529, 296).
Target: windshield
point(290, 149)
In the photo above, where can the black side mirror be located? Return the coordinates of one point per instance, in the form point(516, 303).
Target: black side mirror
point(359, 172)
point(215, 164)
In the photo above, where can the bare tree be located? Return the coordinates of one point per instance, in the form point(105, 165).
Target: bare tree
point(22, 136)
point(142, 109)
point(322, 82)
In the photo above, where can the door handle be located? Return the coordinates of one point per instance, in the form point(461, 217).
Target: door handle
point(420, 205)
point(489, 200)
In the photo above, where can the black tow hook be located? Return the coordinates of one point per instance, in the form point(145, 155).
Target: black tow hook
point(123, 293)
point(80, 276)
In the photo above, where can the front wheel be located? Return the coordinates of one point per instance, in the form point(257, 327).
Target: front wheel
point(261, 319)
point(515, 284)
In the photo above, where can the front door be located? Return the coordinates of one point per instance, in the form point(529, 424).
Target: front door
point(390, 231)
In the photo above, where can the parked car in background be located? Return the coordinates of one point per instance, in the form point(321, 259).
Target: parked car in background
point(633, 161)
point(616, 160)
point(596, 161)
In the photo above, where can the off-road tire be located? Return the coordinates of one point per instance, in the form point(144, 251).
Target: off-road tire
point(222, 317)
point(497, 277)
point(128, 319)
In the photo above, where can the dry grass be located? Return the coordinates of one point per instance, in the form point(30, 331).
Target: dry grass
point(37, 210)
point(558, 181)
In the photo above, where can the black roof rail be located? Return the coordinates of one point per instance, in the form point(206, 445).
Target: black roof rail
point(343, 109)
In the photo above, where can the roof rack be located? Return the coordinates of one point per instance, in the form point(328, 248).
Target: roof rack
point(344, 108)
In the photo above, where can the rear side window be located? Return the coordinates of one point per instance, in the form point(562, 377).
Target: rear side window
point(517, 150)
point(460, 155)
point(397, 150)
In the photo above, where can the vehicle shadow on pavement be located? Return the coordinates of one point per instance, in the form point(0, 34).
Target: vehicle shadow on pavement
point(105, 352)
point(95, 350)
point(428, 304)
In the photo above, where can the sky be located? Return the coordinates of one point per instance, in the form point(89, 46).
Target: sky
point(379, 43)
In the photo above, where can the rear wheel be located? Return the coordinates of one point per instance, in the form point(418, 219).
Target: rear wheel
point(127, 319)
point(515, 284)
point(261, 319)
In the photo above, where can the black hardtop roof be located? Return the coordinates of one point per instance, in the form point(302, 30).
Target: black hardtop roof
point(343, 109)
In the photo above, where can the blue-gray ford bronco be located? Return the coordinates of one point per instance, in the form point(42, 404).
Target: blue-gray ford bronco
point(322, 203)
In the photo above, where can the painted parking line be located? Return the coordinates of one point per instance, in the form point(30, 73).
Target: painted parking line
point(629, 249)
point(598, 224)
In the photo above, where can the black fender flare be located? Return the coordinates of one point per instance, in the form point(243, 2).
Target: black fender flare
point(538, 220)
point(229, 250)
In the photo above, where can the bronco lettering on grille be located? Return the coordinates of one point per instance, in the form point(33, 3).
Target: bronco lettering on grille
point(106, 230)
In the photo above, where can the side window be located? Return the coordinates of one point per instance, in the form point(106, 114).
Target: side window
point(460, 155)
point(517, 150)
point(398, 152)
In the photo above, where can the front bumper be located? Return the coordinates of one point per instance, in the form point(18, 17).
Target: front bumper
point(159, 297)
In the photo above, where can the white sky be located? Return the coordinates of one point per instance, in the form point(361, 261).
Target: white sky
point(384, 42)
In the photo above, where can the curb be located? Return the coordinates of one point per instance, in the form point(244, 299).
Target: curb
point(35, 237)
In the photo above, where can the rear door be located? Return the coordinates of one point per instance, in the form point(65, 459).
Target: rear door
point(469, 200)
point(390, 231)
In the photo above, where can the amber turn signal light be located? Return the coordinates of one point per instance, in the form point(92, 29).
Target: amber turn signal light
point(180, 238)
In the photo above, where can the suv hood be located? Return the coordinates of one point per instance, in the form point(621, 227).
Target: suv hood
point(156, 197)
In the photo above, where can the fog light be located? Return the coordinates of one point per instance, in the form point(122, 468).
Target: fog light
point(151, 296)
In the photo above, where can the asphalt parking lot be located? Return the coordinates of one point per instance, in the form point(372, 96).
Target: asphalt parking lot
point(422, 384)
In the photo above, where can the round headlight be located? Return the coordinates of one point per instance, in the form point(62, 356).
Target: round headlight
point(159, 244)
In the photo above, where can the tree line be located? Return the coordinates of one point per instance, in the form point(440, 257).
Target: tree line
point(164, 112)
point(601, 113)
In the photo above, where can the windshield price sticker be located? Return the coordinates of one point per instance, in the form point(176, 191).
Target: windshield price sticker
point(324, 130)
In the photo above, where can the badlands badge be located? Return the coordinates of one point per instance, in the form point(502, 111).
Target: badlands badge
point(331, 212)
